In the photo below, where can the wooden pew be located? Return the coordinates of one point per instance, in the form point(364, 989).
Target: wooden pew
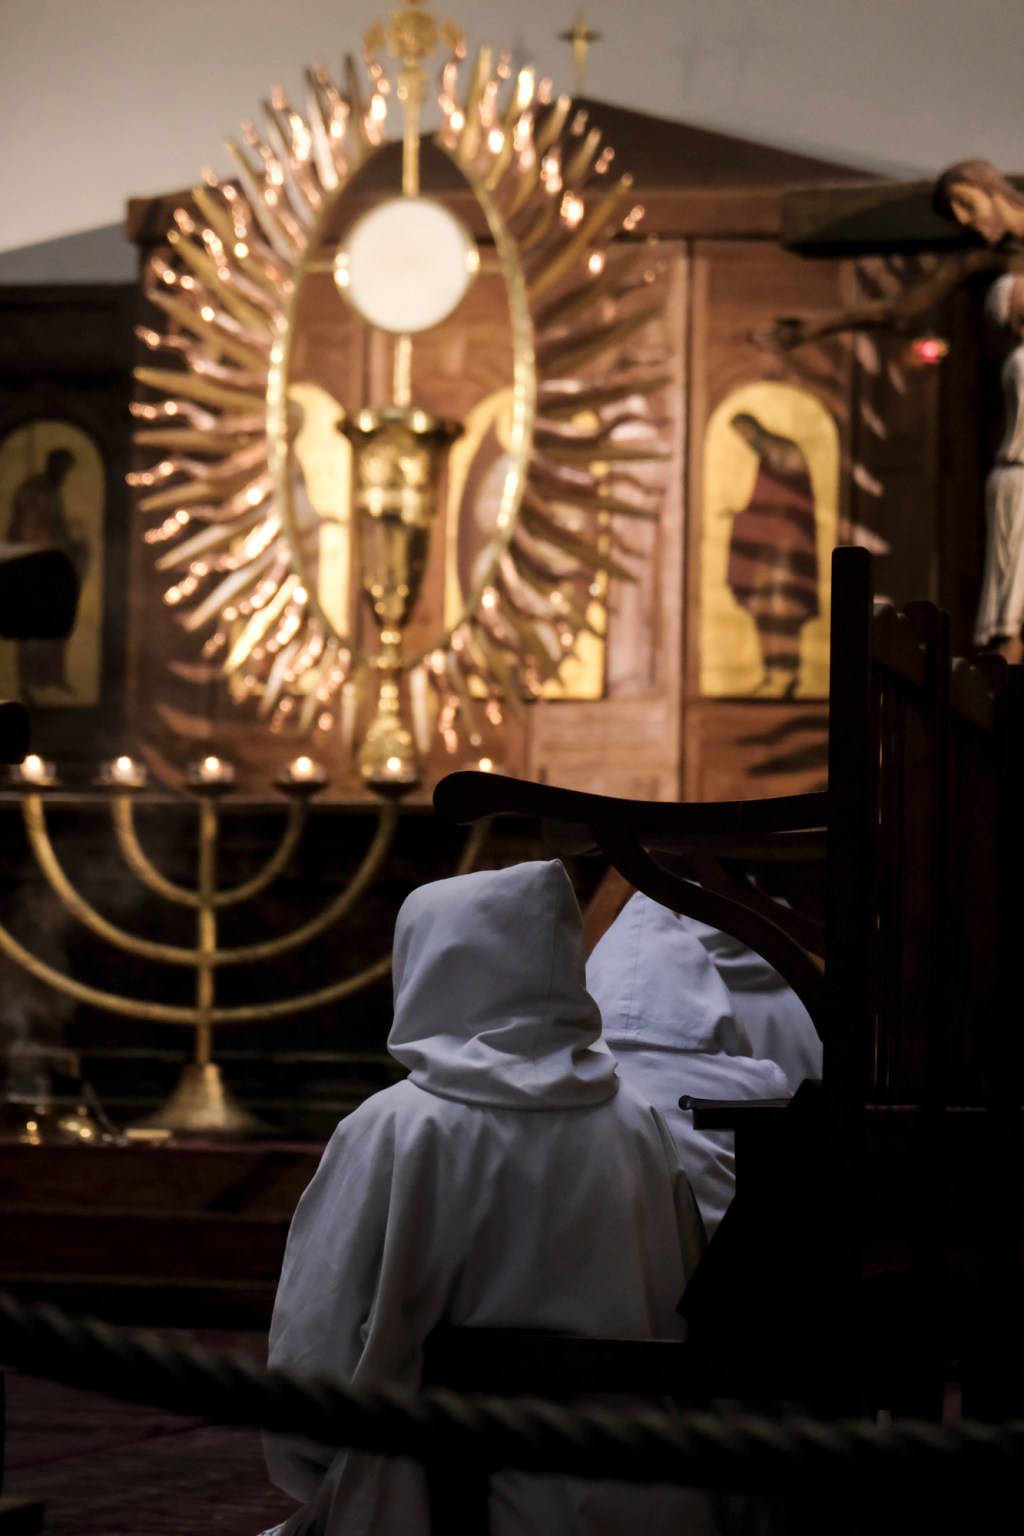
point(876, 1226)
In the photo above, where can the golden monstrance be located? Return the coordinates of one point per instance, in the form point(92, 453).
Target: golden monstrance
point(307, 493)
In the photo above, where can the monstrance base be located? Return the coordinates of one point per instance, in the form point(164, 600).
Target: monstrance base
point(388, 758)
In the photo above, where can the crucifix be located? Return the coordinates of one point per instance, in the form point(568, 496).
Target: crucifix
point(970, 198)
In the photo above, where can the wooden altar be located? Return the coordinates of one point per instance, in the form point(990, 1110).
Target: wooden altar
point(186, 1236)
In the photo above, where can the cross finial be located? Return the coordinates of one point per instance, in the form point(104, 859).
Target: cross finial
point(413, 35)
point(581, 35)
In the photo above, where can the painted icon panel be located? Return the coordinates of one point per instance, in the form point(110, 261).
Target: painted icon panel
point(52, 492)
point(771, 493)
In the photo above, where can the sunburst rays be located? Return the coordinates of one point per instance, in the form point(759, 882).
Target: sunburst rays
point(223, 283)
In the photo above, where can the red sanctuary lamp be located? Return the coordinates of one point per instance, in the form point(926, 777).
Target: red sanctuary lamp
point(927, 351)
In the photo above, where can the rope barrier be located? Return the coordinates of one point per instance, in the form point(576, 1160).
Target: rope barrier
point(734, 1451)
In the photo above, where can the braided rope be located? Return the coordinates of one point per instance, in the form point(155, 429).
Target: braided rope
point(736, 1451)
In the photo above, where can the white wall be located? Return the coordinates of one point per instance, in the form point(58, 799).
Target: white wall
point(104, 99)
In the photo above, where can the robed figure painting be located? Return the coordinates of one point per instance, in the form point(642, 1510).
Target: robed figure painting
point(52, 494)
point(773, 556)
point(770, 508)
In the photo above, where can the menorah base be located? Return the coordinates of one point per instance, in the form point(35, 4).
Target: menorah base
point(202, 1106)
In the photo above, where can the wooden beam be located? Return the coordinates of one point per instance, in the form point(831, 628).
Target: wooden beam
point(854, 218)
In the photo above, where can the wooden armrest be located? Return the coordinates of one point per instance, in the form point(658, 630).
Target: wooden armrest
point(727, 1114)
point(469, 796)
point(756, 1114)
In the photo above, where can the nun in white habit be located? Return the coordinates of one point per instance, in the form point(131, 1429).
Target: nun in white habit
point(512, 1180)
point(776, 1022)
point(669, 1022)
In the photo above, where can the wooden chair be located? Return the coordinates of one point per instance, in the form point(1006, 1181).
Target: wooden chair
point(512, 1362)
point(855, 1258)
point(979, 1067)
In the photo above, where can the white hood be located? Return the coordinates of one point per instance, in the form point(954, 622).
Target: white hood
point(670, 1021)
point(775, 1020)
point(657, 986)
point(491, 1004)
point(737, 964)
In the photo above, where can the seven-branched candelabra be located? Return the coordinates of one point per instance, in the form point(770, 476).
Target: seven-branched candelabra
point(200, 1103)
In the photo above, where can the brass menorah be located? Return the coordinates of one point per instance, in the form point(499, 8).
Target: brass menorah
point(200, 1103)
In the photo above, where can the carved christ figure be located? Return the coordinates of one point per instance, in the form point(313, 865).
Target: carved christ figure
point(975, 195)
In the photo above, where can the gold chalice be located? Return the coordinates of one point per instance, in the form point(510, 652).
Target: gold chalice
point(399, 455)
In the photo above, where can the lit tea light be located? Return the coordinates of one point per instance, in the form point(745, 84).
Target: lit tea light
point(34, 772)
point(394, 775)
point(211, 773)
point(302, 774)
point(123, 773)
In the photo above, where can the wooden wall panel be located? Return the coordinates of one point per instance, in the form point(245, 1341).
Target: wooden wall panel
point(630, 742)
point(751, 747)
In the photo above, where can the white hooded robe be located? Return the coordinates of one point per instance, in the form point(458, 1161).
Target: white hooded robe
point(774, 1019)
point(669, 1022)
point(511, 1181)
